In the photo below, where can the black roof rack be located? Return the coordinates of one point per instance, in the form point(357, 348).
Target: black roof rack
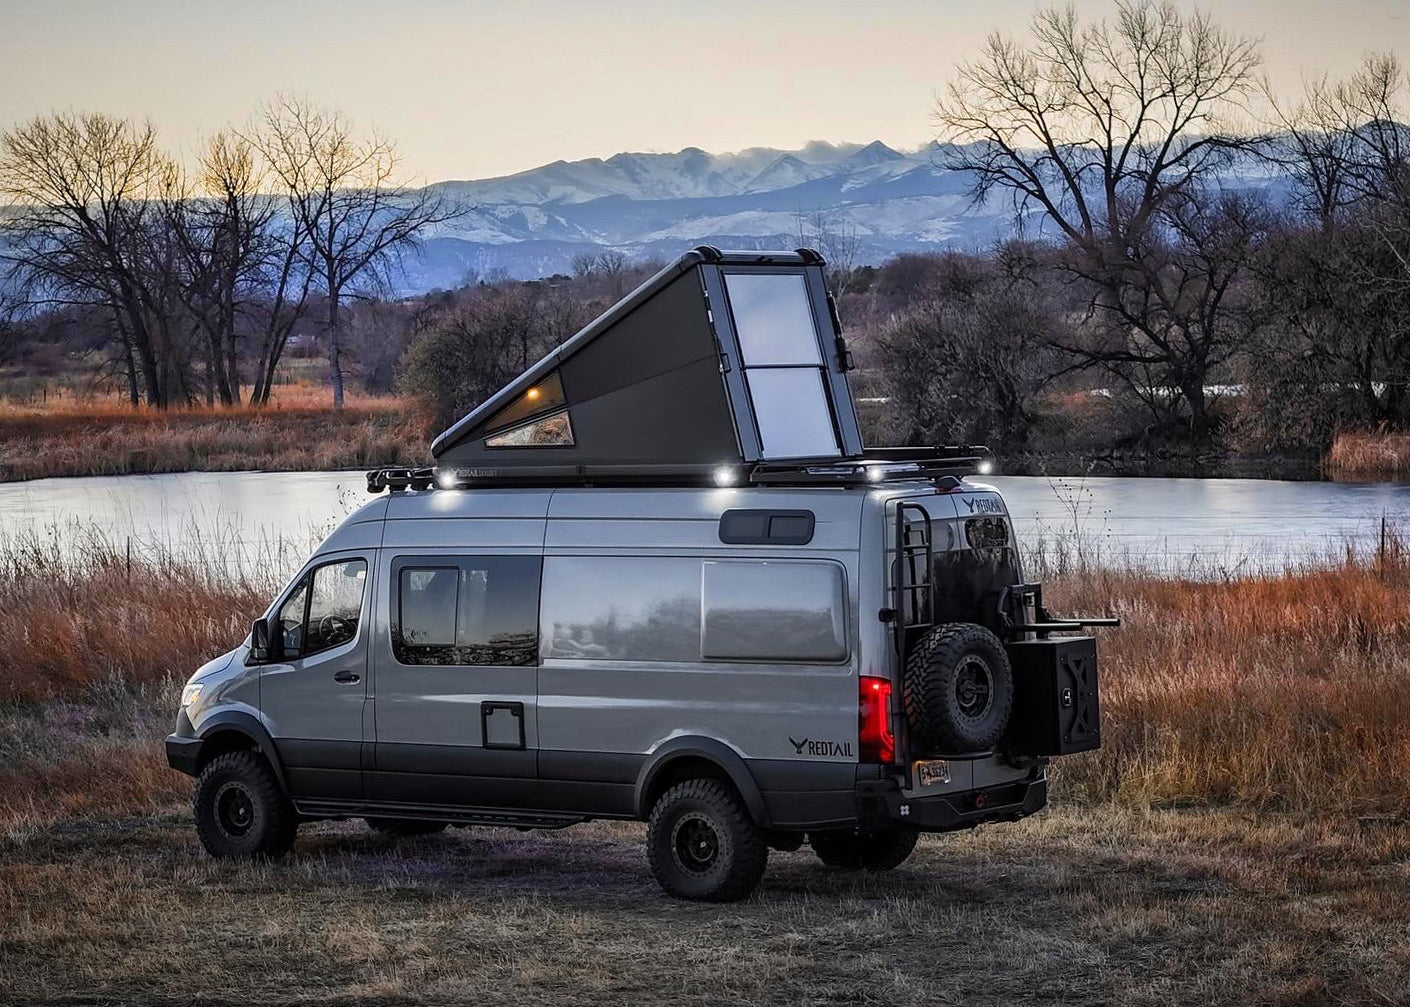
point(877, 467)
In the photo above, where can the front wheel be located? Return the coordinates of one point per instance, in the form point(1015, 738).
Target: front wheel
point(240, 809)
point(873, 851)
point(702, 845)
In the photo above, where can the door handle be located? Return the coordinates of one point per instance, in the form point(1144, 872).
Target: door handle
point(347, 677)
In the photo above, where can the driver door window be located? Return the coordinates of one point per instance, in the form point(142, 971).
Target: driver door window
point(325, 609)
point(291, 619)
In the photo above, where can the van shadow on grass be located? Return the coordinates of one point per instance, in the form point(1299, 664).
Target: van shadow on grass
point(1076, 906)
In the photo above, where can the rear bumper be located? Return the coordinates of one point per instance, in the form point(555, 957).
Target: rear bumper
point(882, 804)
point(183, 753)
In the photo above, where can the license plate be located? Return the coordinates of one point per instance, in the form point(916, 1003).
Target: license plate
point(933, 772)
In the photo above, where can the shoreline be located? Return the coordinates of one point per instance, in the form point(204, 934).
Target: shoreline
point(387, 431)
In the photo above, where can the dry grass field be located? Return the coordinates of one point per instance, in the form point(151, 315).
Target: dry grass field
point(1242, 838)
point(68, 436)
point(1078, 906)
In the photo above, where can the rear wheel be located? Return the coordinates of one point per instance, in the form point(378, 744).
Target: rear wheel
point(240, 809)
point(702, 845)
point(870, 851)
point(404, 826)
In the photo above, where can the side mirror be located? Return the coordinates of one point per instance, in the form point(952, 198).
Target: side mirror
point(264, 645)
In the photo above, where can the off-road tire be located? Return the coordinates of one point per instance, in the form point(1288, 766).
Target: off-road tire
point(240, 809)
point(702, 845)
point(869, 851)
point(939, 691)
point(404, 826)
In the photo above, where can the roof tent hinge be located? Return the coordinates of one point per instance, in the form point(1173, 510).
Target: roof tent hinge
point(844, 356)
point(724, 363)
point(709, 253)
point(832, 313)
point(810, 257)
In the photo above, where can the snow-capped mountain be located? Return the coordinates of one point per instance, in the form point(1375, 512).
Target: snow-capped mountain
point(534, 222)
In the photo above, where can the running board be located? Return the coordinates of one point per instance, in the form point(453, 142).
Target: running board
point(506, 817)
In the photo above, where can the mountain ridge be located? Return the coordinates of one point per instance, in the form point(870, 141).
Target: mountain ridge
point(655, 205)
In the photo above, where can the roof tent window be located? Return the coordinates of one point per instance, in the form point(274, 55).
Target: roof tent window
point(541, 397)
point(773, 319)
point(549, 432)
point(783, 364)
point(791, 409)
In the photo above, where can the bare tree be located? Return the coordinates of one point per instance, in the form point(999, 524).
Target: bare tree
point(612, 265)
point(966, 360)
point(1338, 291)
point(224, 230)
point(1108, 132)
point(344, 195)
point(9, 311)
point(84, 228)
point(585, 265)
point(836, 239)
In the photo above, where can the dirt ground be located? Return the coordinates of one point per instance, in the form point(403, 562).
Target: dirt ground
point(1076, 906)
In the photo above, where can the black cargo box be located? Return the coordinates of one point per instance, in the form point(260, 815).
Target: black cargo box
point(1055, 706)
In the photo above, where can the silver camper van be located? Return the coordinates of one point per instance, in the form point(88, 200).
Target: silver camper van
point(657, 577)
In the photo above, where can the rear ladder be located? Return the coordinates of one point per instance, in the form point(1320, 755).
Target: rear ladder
point(915, 565)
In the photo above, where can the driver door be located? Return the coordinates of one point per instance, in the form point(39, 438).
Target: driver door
point(313, 698)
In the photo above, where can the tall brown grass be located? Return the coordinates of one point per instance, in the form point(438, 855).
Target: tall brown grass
point(94, 613)
point(1281, 691)
point(1285, 692)
point(1369, 455)
point(298, 431)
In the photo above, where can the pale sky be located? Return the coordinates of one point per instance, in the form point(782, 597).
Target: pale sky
point(471, 89)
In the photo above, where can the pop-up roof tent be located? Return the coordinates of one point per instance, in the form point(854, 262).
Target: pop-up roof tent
point(724, 366)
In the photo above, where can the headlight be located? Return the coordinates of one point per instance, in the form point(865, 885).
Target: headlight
point(190, 694)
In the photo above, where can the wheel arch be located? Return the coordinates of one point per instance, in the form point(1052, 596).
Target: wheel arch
point(234, 731)
point(690, 758)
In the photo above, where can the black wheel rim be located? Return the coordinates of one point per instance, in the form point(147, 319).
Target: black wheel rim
point(974, 688)
point(234, 810)
point(695, 844)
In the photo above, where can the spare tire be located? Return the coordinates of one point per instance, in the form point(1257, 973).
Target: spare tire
point(957, 690)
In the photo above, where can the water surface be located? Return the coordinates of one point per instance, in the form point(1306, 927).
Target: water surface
point(1202, 525)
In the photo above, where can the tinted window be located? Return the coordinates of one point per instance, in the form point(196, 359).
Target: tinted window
point(773, 318)
point(428, 603)
point(550, 432)
point(543, 397)
point(474, 610)
point(621, 608)
point(335, 605)
point(775, 611)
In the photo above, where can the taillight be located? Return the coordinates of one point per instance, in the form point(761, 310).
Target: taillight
point(876, 742)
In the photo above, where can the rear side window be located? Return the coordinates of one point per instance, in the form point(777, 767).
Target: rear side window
point(774, 611)
point(467, 610)
point(687, 610)
point(614, 608)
